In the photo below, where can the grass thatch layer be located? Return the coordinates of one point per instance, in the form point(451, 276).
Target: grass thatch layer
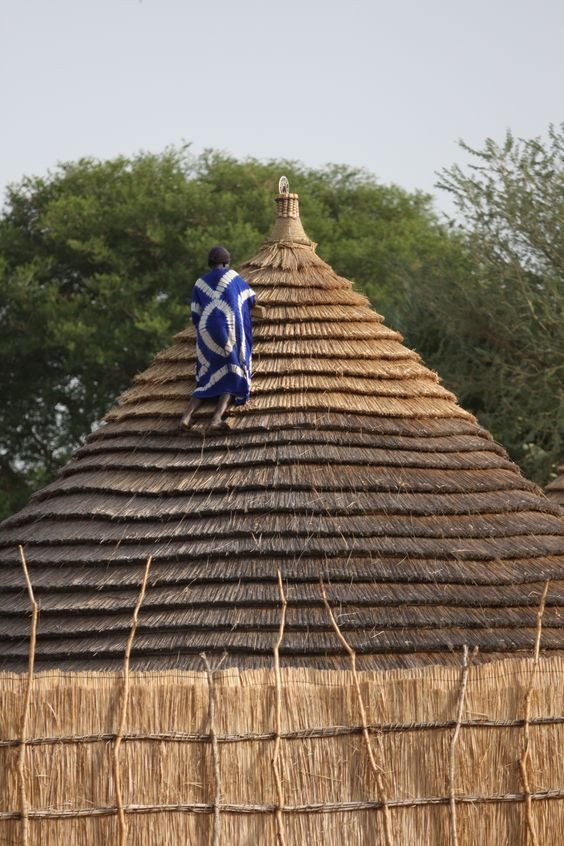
point(350, 465)
point(466, 755)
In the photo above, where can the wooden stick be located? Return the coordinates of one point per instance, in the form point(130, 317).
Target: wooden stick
point(375, 768)
point(216, 832)
point(24, 803)
point(122, 823)
point(454, 740)
point(529, 833)
point(280, 829)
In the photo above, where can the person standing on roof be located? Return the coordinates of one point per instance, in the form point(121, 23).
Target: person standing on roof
point(221, 312)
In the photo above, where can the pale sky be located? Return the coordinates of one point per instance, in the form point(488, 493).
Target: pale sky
point(387, 85)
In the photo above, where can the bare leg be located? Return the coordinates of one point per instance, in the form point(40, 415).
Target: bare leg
point(222, 403)
point(186, 421)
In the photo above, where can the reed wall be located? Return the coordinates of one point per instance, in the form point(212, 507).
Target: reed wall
point(468, 755)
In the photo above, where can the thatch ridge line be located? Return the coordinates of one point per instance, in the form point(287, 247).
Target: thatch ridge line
point(313, 401)
point(255, 536)
point(421, 547)
point(312, 331)
point(314, 370)
point(269, 366)
point(325, 661)
point(365, 565)
point(164, 441)
point(183, 360)
point(377, 349)
point(287, 454)
point(363, 570)
point(328, 313)
point(394, 480)
point(324, 420)
point(410, 387)
point(167, 442)
point(202, 506)
point(164, 620)
point(290, 452)
point(293, 677)
point(304, 331)
point(238, 644)
point(238, 595)
point(440, 528)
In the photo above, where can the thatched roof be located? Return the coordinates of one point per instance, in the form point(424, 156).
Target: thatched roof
point(555, 490)
point(351, 465)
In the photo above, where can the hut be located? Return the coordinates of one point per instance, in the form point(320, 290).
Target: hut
point(339, 621)
point(555, 489)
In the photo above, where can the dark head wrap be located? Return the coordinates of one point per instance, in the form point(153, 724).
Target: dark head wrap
point(218, 255)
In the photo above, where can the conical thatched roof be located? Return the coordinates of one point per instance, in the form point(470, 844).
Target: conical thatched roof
point(555, 490)
point(351, 465)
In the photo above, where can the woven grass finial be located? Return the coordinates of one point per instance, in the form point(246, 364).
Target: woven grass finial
point(288, 226)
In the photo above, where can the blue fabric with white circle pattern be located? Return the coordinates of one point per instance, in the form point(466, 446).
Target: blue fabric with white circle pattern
point(221, 312)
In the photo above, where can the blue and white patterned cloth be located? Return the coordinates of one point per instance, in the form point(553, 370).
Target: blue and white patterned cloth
point(221, 313)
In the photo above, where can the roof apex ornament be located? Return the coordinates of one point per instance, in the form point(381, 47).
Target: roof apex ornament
point(288, 226)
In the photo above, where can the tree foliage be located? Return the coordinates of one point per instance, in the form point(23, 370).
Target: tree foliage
point(495, 332)
point(97, 260)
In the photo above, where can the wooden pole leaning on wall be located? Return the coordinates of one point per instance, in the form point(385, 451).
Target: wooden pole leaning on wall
point(529, 832)
point(216, 830)
point(378, 772)
point(454, 740)
point(24, 801)
point(280, 828)
point(122, 823)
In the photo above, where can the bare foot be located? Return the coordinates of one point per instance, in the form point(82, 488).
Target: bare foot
point(193, 405)
point(218, 424)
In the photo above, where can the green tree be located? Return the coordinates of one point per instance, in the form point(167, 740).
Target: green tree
point(83, 289)
point(495, 332)
point(97, 260)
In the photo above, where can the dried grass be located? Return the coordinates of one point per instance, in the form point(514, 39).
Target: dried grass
point(291, 757)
